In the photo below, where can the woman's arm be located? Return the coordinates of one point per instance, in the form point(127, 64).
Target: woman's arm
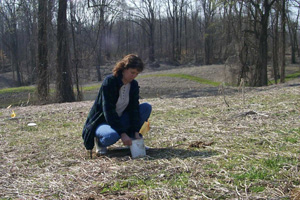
point(134, 108)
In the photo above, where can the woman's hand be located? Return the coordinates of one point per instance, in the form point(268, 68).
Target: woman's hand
point(137, 135)
point(126, 139)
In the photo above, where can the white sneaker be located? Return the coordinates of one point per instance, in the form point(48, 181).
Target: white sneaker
point(102, 151)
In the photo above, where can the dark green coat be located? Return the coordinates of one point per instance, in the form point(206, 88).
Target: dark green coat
point(104, 109)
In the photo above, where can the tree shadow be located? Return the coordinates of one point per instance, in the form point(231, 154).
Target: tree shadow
point(164, 153)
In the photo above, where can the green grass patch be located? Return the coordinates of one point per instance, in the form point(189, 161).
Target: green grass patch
point(132, 182)
point(117, 186)
point(292, 76)
point(91, 88)
point(257, 188)
point(276, 163)
point(252, 174)
point(266, 169)
point(184, 76)
point(33, 89)
point(67, 124)
point(291, 140)
point(17, 89)
point(179, 180)
point(288, 77)
point(18, 95)
point(295, 130)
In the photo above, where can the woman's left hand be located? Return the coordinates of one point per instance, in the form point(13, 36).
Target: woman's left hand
point(137, 135)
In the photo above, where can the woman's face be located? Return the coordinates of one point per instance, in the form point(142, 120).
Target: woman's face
point(129, 74)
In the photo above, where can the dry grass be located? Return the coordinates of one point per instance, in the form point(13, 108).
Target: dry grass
point(246, 155)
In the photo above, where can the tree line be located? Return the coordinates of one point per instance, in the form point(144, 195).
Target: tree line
point(45, 41)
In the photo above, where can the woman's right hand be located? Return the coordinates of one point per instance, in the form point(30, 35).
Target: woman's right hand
point(126, 139)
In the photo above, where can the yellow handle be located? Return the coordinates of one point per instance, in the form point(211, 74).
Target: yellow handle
point(145, 128)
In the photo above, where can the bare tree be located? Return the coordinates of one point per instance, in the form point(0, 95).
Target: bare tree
point(175, 18)
point(196, 29)
point(64, 87)
point(52, 43)
point(292, 27)
point(9, 13)
point(29, 42)
point(276, 43)
point(42, 83)
point(296, 4)
point(144, 14)
point(76, 60)
point(261, 15)
point(101, 11)
point(209, 9)
point(283, 23)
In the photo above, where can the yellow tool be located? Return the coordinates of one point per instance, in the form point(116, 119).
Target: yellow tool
point(13, 114)
point(145, 128)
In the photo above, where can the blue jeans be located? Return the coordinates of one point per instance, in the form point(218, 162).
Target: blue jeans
point(107, 135)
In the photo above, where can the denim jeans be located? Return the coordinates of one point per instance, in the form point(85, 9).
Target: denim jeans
point(107, 135)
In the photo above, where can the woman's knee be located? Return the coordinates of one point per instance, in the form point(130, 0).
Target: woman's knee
point(146, 107)
point(106, 135)
point(109, 139)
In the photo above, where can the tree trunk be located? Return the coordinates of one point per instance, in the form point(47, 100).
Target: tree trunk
point(52, 43)
point(14, 45)
point(263, 51)
point(186, 31)
point(173, 29)
point(208, 8)
point(76, 59)
point(151, 25)
point(283, 18)
point(31, 31)
point(275, 48)
point(160, 36)
point(261, 72)
point(151, 45)
point(101, 35)
point(64, 88)
point(42, 82)
point(292, 27)
point(15, 52)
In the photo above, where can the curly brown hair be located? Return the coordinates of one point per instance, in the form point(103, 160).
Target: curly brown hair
point(129, 61)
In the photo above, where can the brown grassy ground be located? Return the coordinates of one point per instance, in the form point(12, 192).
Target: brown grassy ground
point(250, 150)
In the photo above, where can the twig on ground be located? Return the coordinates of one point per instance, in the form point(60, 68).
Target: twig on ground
point(237, 192)
point(222, 91)
point(242, 85)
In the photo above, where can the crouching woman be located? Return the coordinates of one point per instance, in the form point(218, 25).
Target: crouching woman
point(116, 113)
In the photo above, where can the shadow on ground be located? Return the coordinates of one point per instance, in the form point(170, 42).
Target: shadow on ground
point(165, 153)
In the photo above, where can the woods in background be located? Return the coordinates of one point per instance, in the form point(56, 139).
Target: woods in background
point(48, 41)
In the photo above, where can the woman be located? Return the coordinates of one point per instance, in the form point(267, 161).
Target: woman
point(116, 113)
